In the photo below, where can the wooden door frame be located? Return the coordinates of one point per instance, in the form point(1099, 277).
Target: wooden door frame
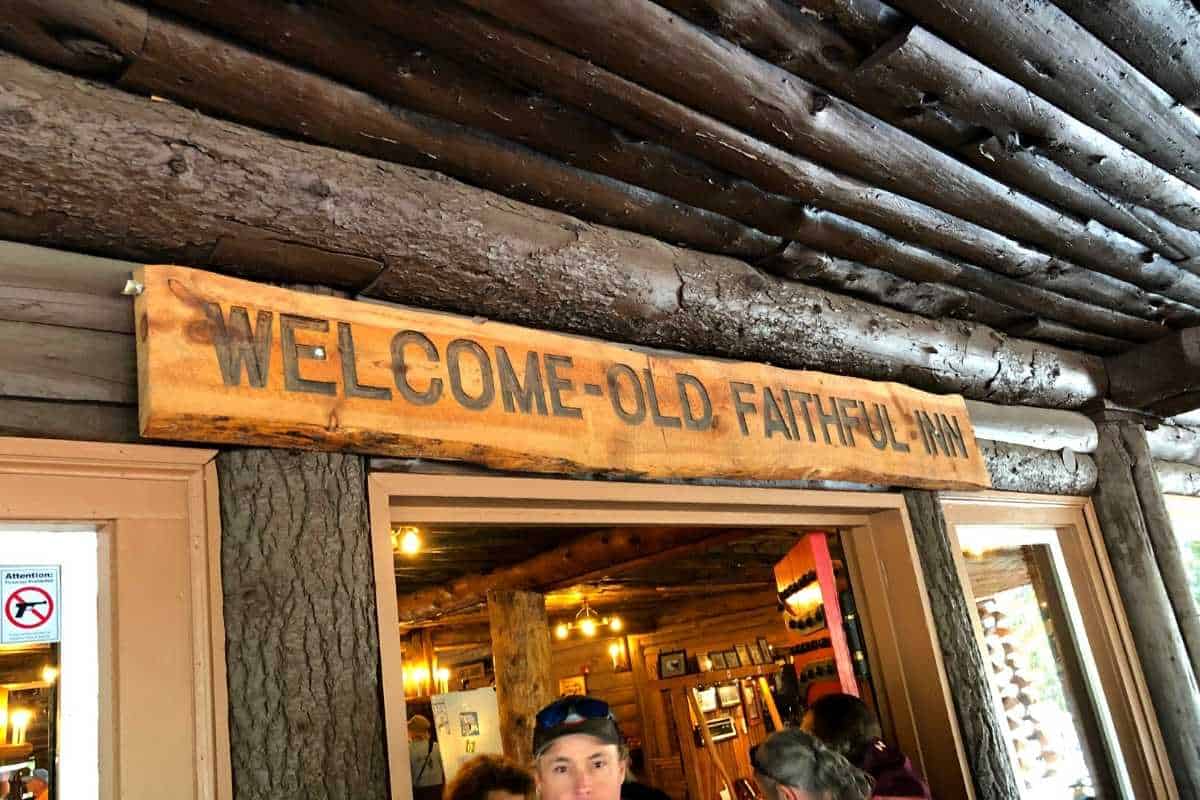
point(1101, 609)
point(911, 680)
point(122, 489)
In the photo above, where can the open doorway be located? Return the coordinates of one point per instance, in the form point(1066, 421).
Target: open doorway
point(704, 608)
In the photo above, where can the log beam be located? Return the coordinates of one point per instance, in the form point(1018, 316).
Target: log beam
point(594, 555)
point(1040, 47)
point(521, 656)
point(720, 79)
point(1175, 478)
point(1162, 377)
point(449, 246)
point(1178, 443)
point(1145, 560)
point(1043, 428)
point(1016, 468)
point(983, 733)
point(530, 60)
point(209, 73)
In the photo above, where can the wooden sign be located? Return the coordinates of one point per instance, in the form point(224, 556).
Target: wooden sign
point(225, 360)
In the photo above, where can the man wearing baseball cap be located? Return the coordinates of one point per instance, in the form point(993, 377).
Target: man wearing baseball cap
point(578, 751)
point(38, 782)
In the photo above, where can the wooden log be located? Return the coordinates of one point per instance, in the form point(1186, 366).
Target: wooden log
point(1162, 377)
point(1154, 37)
point(925, 297)
point(66, 309)
point(917, 64)
point(982, 731)
point(1134, 524)
point(521, 654)
point(200, 70)
point(1179, 443)
point(849, 239)
point(1043, 428)
point(455, 247)
point(1017, 468)
point(715, 76)
point(85, 422)
point(49, 362)
point(1175, 478)
point(302, 644)
point(1040, 47)
point(635, 108)
point(1065, 336)
point(1030, 169)
point(571, 562)
point(389, 67)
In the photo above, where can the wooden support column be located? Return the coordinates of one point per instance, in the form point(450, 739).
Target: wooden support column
point(983, 734)
point(521, 653)
point(1162, 615)
point(302, 645)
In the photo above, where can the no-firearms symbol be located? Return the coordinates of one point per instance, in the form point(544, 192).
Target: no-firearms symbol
point(29, 607)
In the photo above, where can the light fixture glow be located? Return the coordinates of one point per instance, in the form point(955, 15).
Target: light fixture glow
point(49, 674)
point(561, 630)
point(615, 624)
point(587, 626)
point(407, 540)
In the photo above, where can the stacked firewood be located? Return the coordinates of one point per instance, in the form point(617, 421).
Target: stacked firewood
point(1036, 758)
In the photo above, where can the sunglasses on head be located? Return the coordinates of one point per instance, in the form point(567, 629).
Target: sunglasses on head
point(560, 711)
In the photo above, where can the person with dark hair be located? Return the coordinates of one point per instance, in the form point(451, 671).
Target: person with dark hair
point(490, 777)
point(794, 765)
point(845, 724)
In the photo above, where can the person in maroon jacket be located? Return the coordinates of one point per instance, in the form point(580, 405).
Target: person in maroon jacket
point(846, 725)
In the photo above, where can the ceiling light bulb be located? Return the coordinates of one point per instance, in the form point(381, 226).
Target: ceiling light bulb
point(410, 541)
point(443, 674)
point(49, 674)
point(21, 717)
point(561, 630)
point(615, 624)
point(588, 626)
point(614, 649)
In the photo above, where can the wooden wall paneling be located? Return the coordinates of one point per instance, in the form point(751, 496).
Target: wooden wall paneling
point(55, 363)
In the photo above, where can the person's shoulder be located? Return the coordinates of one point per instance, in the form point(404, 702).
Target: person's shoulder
point(640, 791)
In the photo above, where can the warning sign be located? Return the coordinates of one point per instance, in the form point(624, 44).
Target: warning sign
point(29, 604)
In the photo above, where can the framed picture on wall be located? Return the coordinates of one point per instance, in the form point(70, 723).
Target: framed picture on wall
point(729, 695)
point(576, 684)
point(750, 701)
point(764, 647)
point(717, 659)
point(707, 699)
point(743, 654)
point(755, 654)
point(732, 660)
point(672, 664)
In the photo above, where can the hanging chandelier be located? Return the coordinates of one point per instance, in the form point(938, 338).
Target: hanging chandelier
point(588, 623)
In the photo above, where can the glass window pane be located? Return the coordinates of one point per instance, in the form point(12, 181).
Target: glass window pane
point(1185, 519)
point(1039, 671)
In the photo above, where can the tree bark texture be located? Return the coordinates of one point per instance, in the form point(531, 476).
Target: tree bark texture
point(472, 37)
point(983, 733)
point(1144, 558)
point(1017, 468)
point(302, 645)
point(1157, 38)
point(521, 654)
point(424, 239)
point(1179, 443)
point(1040, 47)
point(718, 78)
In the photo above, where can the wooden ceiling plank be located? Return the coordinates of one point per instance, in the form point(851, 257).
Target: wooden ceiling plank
point(719, 78)
point(1037, 45)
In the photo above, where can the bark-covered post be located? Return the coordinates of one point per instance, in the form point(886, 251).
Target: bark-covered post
point(301, 639)
point(982, 732)
point(1146, 563)
point(521, 654)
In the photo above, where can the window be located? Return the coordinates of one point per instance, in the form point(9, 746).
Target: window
point(1185, 519)
point(1066, 681)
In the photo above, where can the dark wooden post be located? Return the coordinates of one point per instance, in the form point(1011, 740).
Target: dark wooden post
point(301, 639)
point(1146, 562)
point(521, 653)
point(982, 732)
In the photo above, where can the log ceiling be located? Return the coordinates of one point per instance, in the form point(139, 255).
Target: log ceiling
point(1028, 166)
